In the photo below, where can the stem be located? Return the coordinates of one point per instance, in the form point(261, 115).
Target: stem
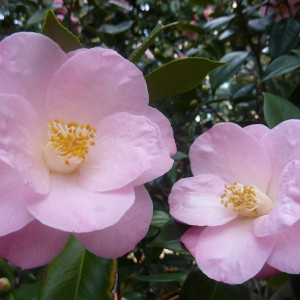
point(255, 51)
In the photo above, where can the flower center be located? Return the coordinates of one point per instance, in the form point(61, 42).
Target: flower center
point(247, 201)
point(68, 145)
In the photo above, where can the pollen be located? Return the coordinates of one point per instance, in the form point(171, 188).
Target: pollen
point(69, 141)
point(246, 200)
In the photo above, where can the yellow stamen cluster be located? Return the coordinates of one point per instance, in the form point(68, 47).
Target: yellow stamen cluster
point(241, 198)
point(71, 140)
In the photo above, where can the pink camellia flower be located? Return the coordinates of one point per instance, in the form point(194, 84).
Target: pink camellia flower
point(77, 142)
point(243, 202)
point(282, 9)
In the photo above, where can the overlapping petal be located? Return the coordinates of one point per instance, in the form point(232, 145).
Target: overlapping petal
point(286, 255)
point(70, 207)
point(28, 61)
point(227, 151)
point(202, 201)
point(104, 84)
point(21, 142)
point(282, 144)
point(13, 211)
point(120, 238)
point(231, 253)
point(32, 246)
point(126, 146)
point(286, 210)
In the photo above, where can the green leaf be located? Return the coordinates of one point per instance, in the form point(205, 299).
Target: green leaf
point(189, 27)
point(78, 274)
point(296, 51)
point(284, 37)
point(218, 23)
point(26, 292)
point(37, 17)
point(138, 52)
point(169, 237)
point(281, 65)
point(277, 110)
point(261, 25)
point(234, 61)
point(160, 218)
point(278, 280)
point(198, 286)
point(178, 76)
point(7, 271)
point(115, 29)
point(167, 277)
point(59, 34)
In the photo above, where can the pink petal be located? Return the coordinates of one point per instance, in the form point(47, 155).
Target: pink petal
point(122, 237)
point(13, 211)
point(70, 207)
point(116, 85)
point(230, 152)
point(197, 201)
point(33, 246)
point(126, 146)
point(27, 63)
point(21, 142)
point(231, 253)
point(257, 130)
point(286, 255)
point(190, 238)
point(282, 144)
point(286, 210)
point(168, 142)
point(162, 163)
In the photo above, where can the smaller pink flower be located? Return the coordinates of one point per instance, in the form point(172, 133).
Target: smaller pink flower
point(243, 202)
point(282, 9)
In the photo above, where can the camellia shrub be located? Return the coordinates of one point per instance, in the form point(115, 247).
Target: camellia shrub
point(149, 150)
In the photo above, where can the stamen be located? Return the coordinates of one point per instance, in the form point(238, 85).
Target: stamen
point(68, 144)
point(246, 200)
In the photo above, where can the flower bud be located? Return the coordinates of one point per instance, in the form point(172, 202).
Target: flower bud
point(4, 286)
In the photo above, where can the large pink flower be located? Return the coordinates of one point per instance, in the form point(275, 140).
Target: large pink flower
point(243, 202)
point(77, 142)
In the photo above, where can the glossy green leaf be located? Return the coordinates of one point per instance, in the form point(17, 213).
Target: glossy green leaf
point(198, 286)
point(167, 277)
point(138, 52)
point(178, 76)
point(160, 218)
point(284, 37)
point(77, 274)
point(218, 23)
point(282, 65)
point(296, 51)
point(234, 61)
point(26, 292)
point(189, 27)
point(169, 237)
point(59, 34)
point(261, 25)
point(277, 110)
point(115, 29)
